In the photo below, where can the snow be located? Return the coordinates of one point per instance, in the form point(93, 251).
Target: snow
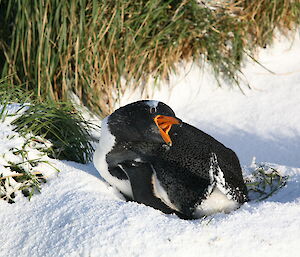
point(79, 214)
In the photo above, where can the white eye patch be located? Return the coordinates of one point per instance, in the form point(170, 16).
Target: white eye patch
point(152, 110)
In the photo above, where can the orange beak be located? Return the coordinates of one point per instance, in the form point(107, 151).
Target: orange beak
point(164, 124)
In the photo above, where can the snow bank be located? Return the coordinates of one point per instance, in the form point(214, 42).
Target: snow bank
point(78, 214)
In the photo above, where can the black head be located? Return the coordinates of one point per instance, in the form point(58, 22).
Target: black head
point(147, 121)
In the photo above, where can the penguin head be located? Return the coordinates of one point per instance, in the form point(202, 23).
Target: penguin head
point(146, 120)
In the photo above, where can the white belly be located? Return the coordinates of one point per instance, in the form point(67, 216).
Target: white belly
point(215, 202)
point(106, 143)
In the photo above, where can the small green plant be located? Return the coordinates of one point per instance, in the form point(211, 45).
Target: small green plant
point(264, 182)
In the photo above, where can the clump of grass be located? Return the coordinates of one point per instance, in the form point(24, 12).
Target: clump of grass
point(90, 47)
point(47, 129)
point(58, 122)
point(264, 182)
point(62, 125)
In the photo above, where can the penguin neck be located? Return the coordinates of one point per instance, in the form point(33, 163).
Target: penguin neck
point(106, 144)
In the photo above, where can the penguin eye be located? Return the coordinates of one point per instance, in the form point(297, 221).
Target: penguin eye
point(152, 110)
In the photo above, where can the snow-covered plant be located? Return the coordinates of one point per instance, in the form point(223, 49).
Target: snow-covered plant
point(264, 181)
point(24, 168)
point(31, 132)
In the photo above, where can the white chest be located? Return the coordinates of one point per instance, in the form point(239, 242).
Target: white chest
point(106, 143)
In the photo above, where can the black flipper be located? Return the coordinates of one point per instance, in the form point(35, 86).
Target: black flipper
point(140, 176)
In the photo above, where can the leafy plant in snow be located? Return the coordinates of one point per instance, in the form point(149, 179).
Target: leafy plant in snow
point(46, 129)
point(23, 172)
point(264, 181)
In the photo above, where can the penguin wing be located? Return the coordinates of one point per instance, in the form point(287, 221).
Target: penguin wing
point(232, 172)
point(178, 187)
point(121, 155)
point(140, 177)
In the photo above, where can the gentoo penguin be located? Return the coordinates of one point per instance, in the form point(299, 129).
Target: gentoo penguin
point(154, 158)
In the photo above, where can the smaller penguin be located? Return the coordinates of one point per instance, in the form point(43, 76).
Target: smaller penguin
point(154, 158)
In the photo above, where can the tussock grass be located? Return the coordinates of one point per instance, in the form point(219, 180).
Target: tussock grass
point(262, 17)
point(90, 47)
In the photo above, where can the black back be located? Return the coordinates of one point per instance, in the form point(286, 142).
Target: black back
point(191, 154)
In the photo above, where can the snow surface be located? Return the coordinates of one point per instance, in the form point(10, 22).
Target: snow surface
point(78, 214)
